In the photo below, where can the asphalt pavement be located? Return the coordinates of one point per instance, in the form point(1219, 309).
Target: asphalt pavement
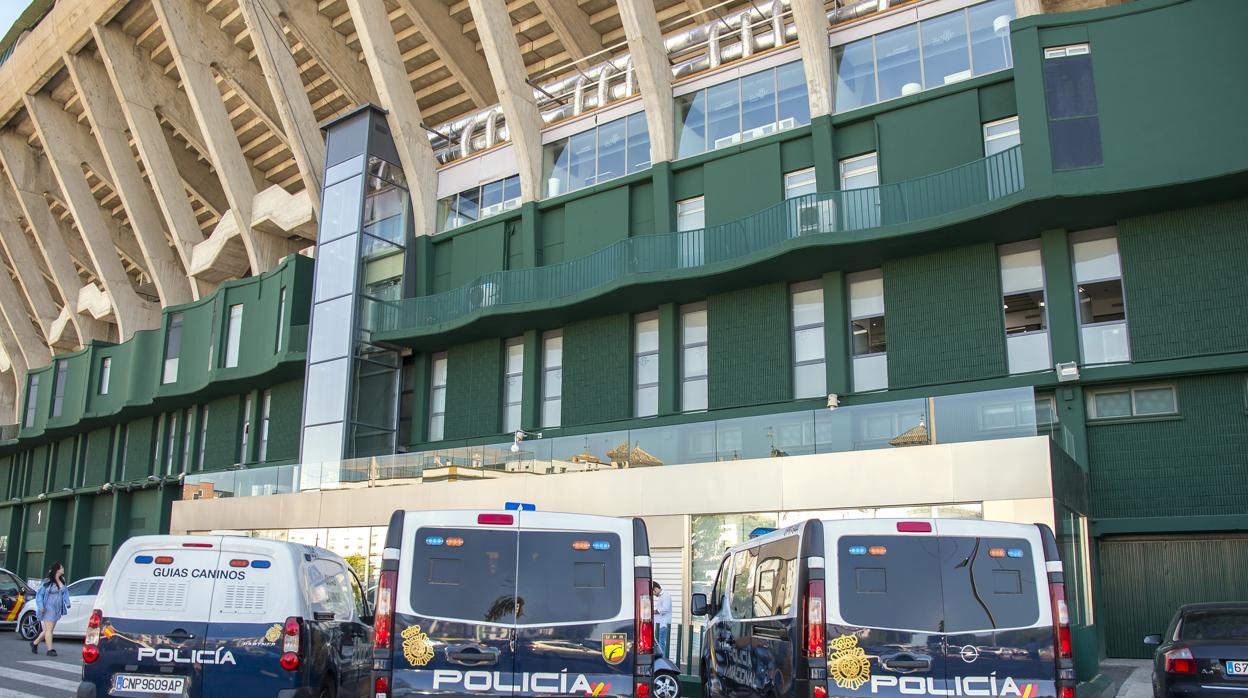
point(24, 674)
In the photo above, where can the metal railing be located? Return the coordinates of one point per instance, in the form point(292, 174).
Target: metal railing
point(822, 213)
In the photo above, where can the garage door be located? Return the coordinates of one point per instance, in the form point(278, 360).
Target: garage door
point(1144, 579)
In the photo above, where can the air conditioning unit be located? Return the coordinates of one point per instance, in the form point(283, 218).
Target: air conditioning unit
point(728, 140)
point(484, 295)
point(510, 204)
point(758, 132)
point(816, 217)
point(492, 209)
point(786, 124)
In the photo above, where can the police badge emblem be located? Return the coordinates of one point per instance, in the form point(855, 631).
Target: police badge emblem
point(273, 633)
point(417, 649)
point(614, 647)
point(848, 663)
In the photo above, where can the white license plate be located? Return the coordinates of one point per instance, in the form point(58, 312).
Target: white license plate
point(1236, 668)
point(158, 685)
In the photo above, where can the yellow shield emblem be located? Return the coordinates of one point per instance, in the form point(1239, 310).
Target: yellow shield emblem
point(273, 633)
point(417, 648)
point(848, 663)
point(614, 647)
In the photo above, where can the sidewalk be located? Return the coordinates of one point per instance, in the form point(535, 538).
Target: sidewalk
point(1137, 673)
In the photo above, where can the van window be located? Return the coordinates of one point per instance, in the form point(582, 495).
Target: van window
point(776, 578)
point(474, 581)
point(897, 588)
point(743, 568)
point(721, 579)
point(560, 583)
point(983, 592)
point(328, 588)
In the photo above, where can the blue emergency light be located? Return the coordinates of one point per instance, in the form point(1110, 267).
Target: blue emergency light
point(761, 531)
point(519, 506)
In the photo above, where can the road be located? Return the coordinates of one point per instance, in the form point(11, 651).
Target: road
point(24, 674)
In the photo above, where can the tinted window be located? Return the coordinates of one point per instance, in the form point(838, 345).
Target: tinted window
point(83, 587)
point(984, 592)
point(898, 588)
point(743, 567)
point(474, 581)
point(721, 579)
point(1214, 625)
point(328, 589)
point(559, 583)
point(776, 578)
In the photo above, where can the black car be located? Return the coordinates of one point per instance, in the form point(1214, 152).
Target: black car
point(1203, 652)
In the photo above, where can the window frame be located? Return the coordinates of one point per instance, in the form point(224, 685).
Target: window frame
point(203, 437)
point(1000, 136)
point(792, 181)
point(516, 400)
point(638, 386)
point(60, 375)
point(794, 289)
point(874, 168)
point(32, 401)
point(694, 205)
point(434, 389)
point(266, 404)
point(105, 377)
point(1092, 235)
point(1131, 391)
point(687, 310)
point(169, 371)
point(244, 433)
point(281, 320)
point(548, 369)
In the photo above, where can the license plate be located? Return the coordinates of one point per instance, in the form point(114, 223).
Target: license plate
point(157, 685)
point(1236, 668)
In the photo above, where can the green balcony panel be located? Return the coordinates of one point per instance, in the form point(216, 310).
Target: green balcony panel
point(749, 355)
point(474, 388)
point(597, 370)
point(287, 405)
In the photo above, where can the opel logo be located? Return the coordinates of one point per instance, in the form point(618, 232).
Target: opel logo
point(969, 653)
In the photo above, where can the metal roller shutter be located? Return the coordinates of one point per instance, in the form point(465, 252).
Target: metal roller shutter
point(666, 569)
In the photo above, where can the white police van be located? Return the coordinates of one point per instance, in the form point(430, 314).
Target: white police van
point(516, 603)
point(220, 616)
point(882, 607)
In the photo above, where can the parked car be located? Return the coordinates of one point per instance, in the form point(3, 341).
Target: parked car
point(73, 624)
point(881, 607)
point(1204, 651)
point(13, 596)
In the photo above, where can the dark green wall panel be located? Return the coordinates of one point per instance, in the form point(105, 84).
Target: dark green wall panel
point(474, 383)
point(641, 209)
point(743, 183)
point(797, 154)
point(997, 101)
point(223, 427)
point(597, 370)
point(98, 456)
point(907, 148)
point(139, 441)
point(748, 347)
point(944, 317)
point(285, 415)
point(62, 475)
point(551, 237)
point(443, 253)
point(1184, 277)
point(37, 477)
point(595, 221)
point(854, 139)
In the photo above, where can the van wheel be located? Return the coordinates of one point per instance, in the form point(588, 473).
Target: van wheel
point(28, 627)
point(666, 685)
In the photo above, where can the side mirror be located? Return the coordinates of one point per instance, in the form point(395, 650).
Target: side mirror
point(698, 605)
point(1152, 639)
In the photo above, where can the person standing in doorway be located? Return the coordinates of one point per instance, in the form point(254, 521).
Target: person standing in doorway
point(662, 615)
point(51, 602)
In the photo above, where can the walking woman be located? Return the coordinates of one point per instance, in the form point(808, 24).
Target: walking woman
point(51, 602)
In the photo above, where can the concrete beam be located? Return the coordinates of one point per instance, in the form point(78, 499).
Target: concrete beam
point(812, 25)
point(13, 381)
point(103, 112)
point(524, 122)
point(56, 129)
point(654, 74)
point(1027, 8)
point(26, 264)
point(34, 350)
point(572, 26)
point(448, 40)
point(194, 62)
point(316, 32)
point(394, 92)
point(293, 108)
point(30, 180)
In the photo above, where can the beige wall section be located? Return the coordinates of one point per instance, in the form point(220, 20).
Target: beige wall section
point(1007, 469)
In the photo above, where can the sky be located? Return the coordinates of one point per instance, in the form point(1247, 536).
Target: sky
point(9, 10)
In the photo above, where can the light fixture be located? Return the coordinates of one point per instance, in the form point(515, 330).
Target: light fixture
point(1067, 371)
point(834, 401)
point(520, 435)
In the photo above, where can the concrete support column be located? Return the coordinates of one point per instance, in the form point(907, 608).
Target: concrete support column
point(1026, 8)
point(811, 21)
point(836, 339)
point(31, 349)
point(669, 358)
point(654, 74)
point(530, 237)
point(316, 32)
point(531, 390)
point(1062, 303)
point(29, 269)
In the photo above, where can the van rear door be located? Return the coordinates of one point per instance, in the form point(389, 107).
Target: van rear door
point(575, 605)
point(455, 604)
point(155, 617)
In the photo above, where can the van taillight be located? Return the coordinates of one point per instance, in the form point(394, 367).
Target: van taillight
point(644, 617)
point(1061, 620)
point(383, 616)
point(813, 603)
point(291, 645)
point(91, 642)
point(495, 519)
point(381, 687)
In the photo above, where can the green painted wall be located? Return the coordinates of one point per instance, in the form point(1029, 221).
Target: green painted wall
point(1186, 299)
point(285, 416)
point(743, 183)
point(224, 424)
point(749, 352)
point(944, 321)
point(594, 222)
point(597, 370)
point(474, 385)
point(1192, 465)
point(99, 457)
point(907, 148)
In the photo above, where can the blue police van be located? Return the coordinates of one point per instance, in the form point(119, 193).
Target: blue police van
point(220, 616)
point(516, 603)
point(881, 607)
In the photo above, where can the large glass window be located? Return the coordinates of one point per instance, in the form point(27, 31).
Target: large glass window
point(753, 106)
point(646, 364)
point(693, 366)
point(860, 180)
point(1102, 306)
point(244, 431)
point(170, 441)
point(281, 319)
point(173, 348)
point(58, 387)
point(600, 154)
point(233, 334)
point(479, 202)
point(1070, 98)
point(437, 397)
point(1026, 325)
point(106, 370)
point(203, 437)
point(188, 437)
point(867, 330)
point(552, 378)
point(1142, 401)
point(513, 384)
point(809, 371)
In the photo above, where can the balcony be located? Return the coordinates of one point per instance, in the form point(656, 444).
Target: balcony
point(813, 217)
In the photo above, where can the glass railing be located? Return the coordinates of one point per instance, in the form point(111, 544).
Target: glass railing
point(997, 414)
point(824, 213)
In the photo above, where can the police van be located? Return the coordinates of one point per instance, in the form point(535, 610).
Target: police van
point(516, 603)
point(893, 608)
point(213, 616)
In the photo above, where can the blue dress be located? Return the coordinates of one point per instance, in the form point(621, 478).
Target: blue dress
point(52, 602)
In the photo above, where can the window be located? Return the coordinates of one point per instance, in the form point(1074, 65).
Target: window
point(600, 154)
point(244, 435)
point(479, 202)
point(776, 581)
point(799, 183)
point(513, 384)
point(123, 448)
point(691, 214)
point(936, 51)
point(233, 333)
point(860, 180)
point(188, 437)
point(1026, 325)
point(860, 172)
point(552, 378)
point(809, 372)
point(329, 589)
point(106, 369)
point(743, 109)
point(281, 320)
point(203, 437)
point(693, 366)
point(58, 387)
point(690, 222)
point(32, 400)
point(437, 397)
point(1001, 135)
point(866, 319)
point(266, 401)
point(1070, 98)
point(646, 364)
point(170, 438)
point(744, 564)
point(1143, 401)
point(1103, 331)
point(173, 348)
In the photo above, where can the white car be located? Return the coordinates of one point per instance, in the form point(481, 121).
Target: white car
point(81, 602)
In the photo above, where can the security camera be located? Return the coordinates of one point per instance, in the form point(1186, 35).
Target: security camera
point(515, 447)
point(834, 401)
